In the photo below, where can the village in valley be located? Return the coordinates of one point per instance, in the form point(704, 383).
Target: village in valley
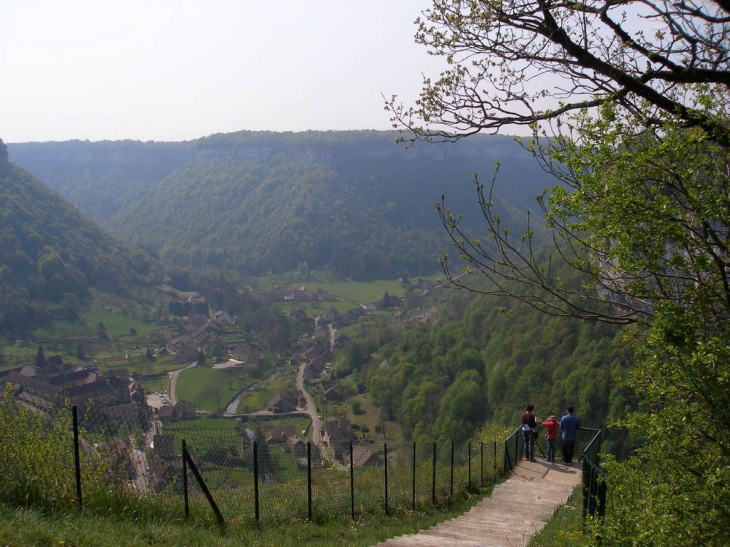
point(113, 402)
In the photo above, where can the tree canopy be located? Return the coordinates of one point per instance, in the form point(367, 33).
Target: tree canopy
point(640, 141)
point(509, 62)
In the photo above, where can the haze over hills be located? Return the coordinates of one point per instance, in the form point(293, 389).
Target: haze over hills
point(353, 201)
point(100, 178)
point(51, 255)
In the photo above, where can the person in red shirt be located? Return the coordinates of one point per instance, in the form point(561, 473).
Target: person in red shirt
point(552, 425)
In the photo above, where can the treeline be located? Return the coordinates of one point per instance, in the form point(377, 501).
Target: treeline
point(481, 362)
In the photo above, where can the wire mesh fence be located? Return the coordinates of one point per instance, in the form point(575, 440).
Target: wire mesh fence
point(70, 455)
point(273, 483)
point(255, 475)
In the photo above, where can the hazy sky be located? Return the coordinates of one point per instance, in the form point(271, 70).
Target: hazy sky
point(179, 70)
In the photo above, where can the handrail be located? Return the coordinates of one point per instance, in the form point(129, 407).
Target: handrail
point(594, 478)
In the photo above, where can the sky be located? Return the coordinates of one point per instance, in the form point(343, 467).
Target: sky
point(178, 70)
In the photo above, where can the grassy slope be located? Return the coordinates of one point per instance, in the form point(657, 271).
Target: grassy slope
point(21, 527)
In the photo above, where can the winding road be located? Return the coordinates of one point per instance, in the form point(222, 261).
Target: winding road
point(311, 407)
point(172, 381)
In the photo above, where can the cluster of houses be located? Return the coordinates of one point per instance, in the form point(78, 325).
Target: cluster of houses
point(201, 332)
point(106, 400)
point(195, 333)
point(337, 436)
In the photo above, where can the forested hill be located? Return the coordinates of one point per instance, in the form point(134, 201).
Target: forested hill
point(51, 255)
point(100, 178)
point(353, 201)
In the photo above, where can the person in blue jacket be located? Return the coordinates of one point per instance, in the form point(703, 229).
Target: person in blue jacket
point(569, 427)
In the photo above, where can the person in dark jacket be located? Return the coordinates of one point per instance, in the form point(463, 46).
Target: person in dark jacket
point(528, 433)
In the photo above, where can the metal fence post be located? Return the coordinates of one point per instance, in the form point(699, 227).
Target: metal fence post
point(352, 484)
point(469, 467)
point(309, 480)
point(185, 479)
point(413, 487)
point(481, 464)
point(385, 457)
point(452, 470)
point(433, 481)
point(256, 480)
point(495, 459)
point(203, 487)
point(77, 456)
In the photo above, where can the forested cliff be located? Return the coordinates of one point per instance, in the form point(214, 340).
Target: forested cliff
point(51, 255)
point(353, 201)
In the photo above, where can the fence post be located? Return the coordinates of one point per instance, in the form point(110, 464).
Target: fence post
point(204, 488)
point(413, 487)
point(256, 480)
point(185, 479)
point(452, 469)
point(77, 456)
point(495, 459)
point(602, 499)
point(433, 481)
point(469, 467)
point(309, 480)
point(352, 484)
point(507, 463)
point(481, 464)
point(385, 457)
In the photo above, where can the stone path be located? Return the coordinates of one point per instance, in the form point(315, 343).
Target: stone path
point(517, 509)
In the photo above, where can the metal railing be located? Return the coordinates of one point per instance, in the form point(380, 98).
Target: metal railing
point(593, 478)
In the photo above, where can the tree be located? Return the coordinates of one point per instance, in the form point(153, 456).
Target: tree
point(101, 331)
point(641, 147)
point(40, 358)
point(509, 62)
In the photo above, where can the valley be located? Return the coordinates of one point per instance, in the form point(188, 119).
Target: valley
point(277, 291)
point(352, 267)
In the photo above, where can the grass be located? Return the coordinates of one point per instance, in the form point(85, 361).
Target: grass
point(159, 521)
point(258, 399)
point(208, 388)
point(565, 529)
point(27, 527)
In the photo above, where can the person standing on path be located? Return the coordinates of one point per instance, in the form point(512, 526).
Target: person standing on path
point(552, 425)
point(529, 422)
point(569, 425)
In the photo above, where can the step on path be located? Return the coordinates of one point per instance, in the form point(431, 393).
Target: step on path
point(517, 509)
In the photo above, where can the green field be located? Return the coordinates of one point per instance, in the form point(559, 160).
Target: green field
point(211, 389)
point(258, 399)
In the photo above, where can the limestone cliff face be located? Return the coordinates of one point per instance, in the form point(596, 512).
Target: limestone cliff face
point(326, 147)
point(3, 152)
